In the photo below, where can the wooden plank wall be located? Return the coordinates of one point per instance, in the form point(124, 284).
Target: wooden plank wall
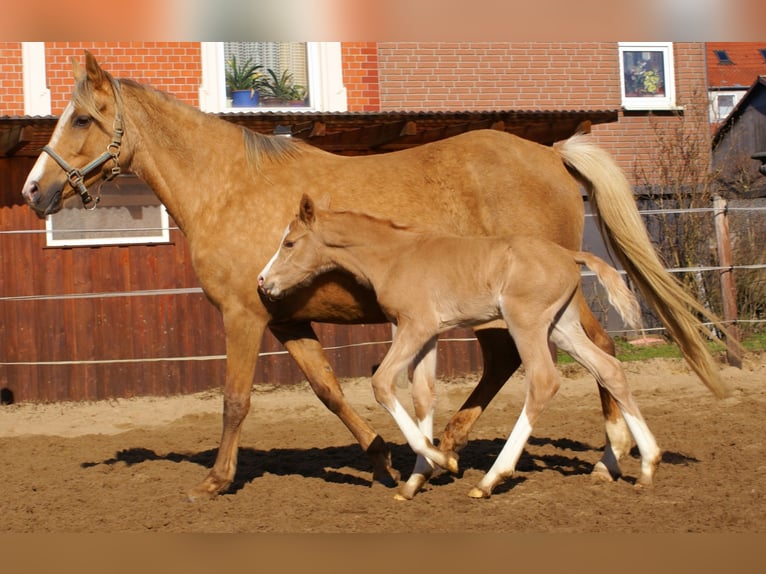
point(125, 328)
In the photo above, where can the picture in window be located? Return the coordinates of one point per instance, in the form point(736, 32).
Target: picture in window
point(644, 73)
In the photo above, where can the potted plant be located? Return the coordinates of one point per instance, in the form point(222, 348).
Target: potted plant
point(281, 90)
point(243, 81)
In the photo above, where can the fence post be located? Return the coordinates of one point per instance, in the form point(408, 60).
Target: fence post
point(728, 290)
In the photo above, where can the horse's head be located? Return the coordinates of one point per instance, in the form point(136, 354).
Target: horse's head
point(300, 256)
point(85, 145)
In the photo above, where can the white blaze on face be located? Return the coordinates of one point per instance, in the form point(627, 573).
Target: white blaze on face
point(39, 168)
point(265, 272)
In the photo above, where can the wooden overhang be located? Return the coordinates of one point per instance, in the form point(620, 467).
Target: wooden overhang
point(352, 133)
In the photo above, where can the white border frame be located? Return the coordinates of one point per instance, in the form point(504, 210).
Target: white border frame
point(666, 102)
point(325, 68)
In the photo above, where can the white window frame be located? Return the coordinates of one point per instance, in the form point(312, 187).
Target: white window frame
point(153, 234)
point(37, 96)
point(325, 69)
point(666, 102)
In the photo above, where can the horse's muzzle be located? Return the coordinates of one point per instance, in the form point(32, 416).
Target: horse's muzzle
point(41, 203)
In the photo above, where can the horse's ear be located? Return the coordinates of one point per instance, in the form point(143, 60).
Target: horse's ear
point(79, 71)
point(96, 75)
point(307, 212)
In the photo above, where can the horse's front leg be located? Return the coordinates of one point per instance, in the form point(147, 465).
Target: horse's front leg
point(244, 331)
point(407, 343)
point(424, 400)
point(301, 342)
point(501, 359)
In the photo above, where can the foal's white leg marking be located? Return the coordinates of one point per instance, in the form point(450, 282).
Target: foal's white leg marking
point(610, 374)
point(647, 446)
point(415, 438)
point(619, 440)
point(506, 461)
point(424, 399)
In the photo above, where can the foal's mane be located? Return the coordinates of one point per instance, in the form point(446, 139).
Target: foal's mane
point(413, 228)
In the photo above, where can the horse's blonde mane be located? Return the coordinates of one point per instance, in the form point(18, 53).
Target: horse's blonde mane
point(257, 146)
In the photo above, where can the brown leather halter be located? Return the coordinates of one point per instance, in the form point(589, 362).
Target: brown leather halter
point(76, 177)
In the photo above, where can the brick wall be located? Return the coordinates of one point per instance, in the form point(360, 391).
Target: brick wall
point(360, 76)
point(547, 76)
point(498, 75)
point(174, 67)
point(11, 79)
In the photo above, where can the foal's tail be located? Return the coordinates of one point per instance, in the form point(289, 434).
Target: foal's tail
point(617, 291)
point(611, 199)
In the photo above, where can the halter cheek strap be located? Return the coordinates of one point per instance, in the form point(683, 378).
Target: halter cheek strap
point(76, 177)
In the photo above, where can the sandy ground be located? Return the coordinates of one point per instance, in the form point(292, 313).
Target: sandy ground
point(123, 466)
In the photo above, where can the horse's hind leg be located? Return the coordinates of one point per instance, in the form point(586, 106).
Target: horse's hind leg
point(608, 371)
point(243, 337)
point(423, 399)
point(618, 438)
point(542, 383)
point(501, 359)
point(301, 342)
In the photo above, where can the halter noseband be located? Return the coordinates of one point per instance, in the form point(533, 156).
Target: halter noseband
point(76, 177)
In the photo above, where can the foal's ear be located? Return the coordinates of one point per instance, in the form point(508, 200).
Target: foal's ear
point(307, 212)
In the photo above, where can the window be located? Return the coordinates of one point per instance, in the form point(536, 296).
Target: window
point(723, 57)
point(292, 76)
point(128, 213)
point(647, 76)
point(725, 103)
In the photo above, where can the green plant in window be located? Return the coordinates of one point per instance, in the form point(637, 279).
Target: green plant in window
point(244, 75)
point(282, 87)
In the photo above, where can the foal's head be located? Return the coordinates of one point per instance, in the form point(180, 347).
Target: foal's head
point(301, 255)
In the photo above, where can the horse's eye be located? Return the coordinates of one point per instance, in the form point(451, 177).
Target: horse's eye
point(82, 121)
point(289, 244)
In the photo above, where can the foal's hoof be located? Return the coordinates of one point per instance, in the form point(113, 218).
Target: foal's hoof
point(477, 492)
point(601, 472)
point(410, 488)
point(451, 463)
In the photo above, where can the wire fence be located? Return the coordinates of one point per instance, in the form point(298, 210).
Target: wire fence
point(197, 290)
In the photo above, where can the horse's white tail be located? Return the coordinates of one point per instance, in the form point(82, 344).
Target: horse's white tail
point(617, 291)
point(611, 199)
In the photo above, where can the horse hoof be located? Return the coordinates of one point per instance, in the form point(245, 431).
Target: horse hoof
point(413, 485)
point(389, 479)
point(200, 493)
point(601, 472)
point(477, 492)
point(644, 483)
point(452, 463)
point(400, 496)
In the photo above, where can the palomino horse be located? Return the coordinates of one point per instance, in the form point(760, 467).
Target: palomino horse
point(232, 191)
point(428, 283)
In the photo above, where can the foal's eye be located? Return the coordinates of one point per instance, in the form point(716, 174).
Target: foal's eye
point(288, 244)
point(82, 121)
